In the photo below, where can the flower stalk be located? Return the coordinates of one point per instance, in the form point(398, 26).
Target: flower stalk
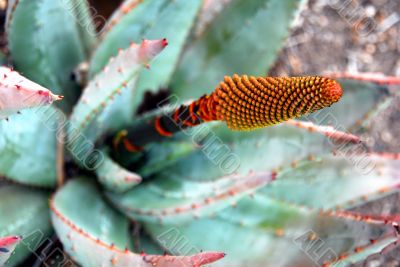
point(244, 102)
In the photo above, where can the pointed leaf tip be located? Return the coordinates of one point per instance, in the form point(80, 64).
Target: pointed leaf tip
point(207, 258)
point(151, 48)
point(7, 246)
point(18, 92)
point(56, 97)
point(196, 260)
point(80, 237)
point(9, 241)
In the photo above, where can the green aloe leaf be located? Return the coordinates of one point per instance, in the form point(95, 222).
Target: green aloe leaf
point(90, 117)
point(265, 223)
point(329, 182)
point(27, 215)
point(220, 151)
point(380, 253)
point(114, 177)
point(125, 7)
point(148, 20)
point(47, 40)
point(158, 156)
point(380, 207)
point(94, 234)
point(209, 11)
point(28, 146)
point(3, 58)
point(271, 227)
point(305, 237)
point(244, 38)
point(366, 125)
point(174, 200)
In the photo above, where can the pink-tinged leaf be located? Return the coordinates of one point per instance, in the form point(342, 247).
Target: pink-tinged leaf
point(374, 77)
point(368, 252)
point(90, 116)
point(174, 261)
point(328, 131)
point(94, 252)
point(150, 48)
point(24, 212)
point(94, 234)
point(385, 155)
point(17, 92)
point(7, 246)
point(377, 210)
point(7, 242)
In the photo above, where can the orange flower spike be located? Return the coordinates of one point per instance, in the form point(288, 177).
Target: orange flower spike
point(247, 103)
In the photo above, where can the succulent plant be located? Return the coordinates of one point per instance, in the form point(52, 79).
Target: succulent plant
point(179, 185)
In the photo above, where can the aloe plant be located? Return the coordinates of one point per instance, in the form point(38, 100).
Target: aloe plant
point(261, 171)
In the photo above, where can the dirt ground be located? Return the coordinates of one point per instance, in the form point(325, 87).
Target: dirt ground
point(345, 35)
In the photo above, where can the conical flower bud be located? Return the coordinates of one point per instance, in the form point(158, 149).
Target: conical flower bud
point(247, 103)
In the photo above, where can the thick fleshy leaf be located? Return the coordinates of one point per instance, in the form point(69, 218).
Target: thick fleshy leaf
point(377, 207)
point(389, 254)
point(329, 182)
point(114, 177)
point(158, 156)
point(124, 8)
point(205, 148)
point(28, 146)
point(89, 117)
point(3, 58)
point(221, 151)
point(174, 200)
point(305, 237)
point(241, 39)
point(366, 126)
point(328, 131)
point(209, 10)
point(48, 39)
point(7, 246)
point(149, 19)
point(95, 235)
point(24, 212)
point(271, 227)
point(17, 93)
point(88, 21)
point(373, 77)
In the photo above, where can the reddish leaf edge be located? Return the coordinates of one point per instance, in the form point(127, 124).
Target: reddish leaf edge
point(197, 260)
